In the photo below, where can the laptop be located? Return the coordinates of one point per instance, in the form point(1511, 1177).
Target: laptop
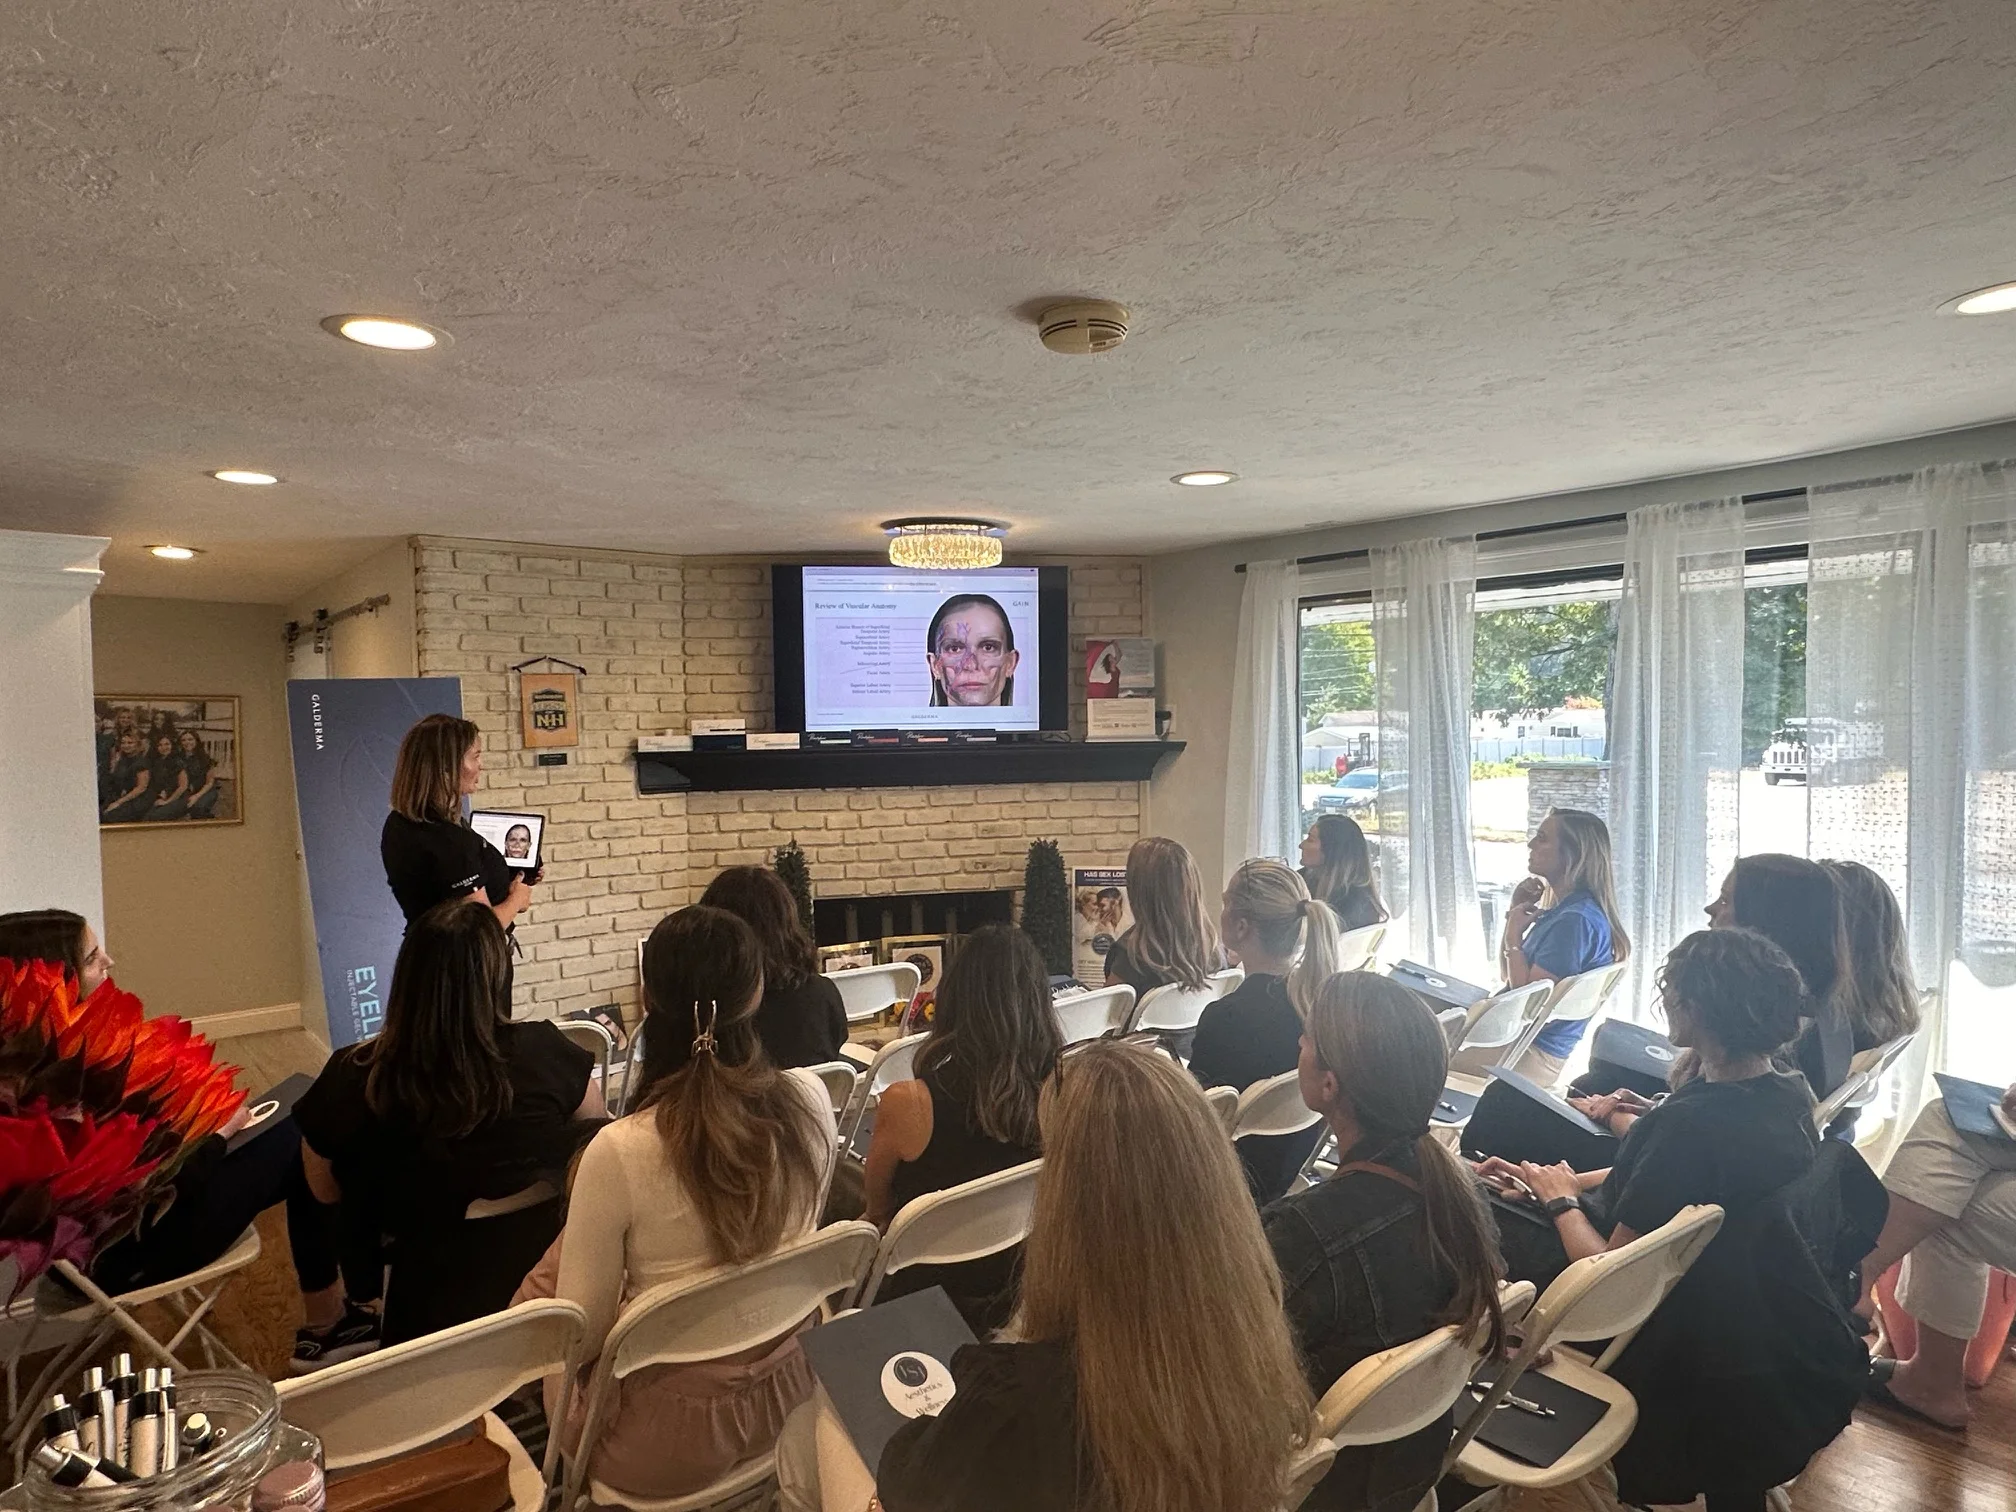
point(516, 836)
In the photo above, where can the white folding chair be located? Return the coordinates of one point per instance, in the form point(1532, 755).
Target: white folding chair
point(1606, 1296)
point(966, 1222)
point(633, 1072)
point(1087, 1015)
point(1858, 1087)
point(891, 1064)
point(839, 1078)
point(1306, 1470)
point(1170, 1009)
point(1503, 1022)
point(1223, 982)
point(1574, 1000)
point(1273, 1106)
point(866, 992)
point(686, 1322)
point(386, 1404)
point(1225, 1103)
point(595, 1038)
point(1357, 948)
point(191, 1297)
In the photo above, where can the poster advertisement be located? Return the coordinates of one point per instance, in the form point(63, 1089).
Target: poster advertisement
point(1099, 916)
point(1120, 689)
point(346, 733)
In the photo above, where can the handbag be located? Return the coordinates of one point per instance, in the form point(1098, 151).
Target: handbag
point(469, 1475)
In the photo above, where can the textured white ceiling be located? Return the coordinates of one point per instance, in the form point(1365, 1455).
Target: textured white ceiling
point(729, 275)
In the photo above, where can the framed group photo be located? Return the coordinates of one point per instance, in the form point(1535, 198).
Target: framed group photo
point(167, 759)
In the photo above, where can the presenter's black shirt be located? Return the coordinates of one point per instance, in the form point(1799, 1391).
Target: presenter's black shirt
point(430, 861)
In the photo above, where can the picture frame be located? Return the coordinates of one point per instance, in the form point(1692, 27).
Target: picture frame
point(925, 952)
point(197, 782)
point(834, 958)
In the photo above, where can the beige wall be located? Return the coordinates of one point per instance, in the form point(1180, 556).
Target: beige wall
point(379, 644)
point(204, 919)
point(664, 639)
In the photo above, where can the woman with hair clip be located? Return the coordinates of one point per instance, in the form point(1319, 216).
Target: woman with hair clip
point(1879, 993)
point(801, 1021)
point(722, 1164)
point(218, 1191)
point(1337, 866)
point(1394, 1245)
point(1152, 1369)
point(450, 1104)
point(971, 1109)
point(1287, 941)
point(1173, 938)
point(1563, 922)
point(429, 851)
point(1751, 1365)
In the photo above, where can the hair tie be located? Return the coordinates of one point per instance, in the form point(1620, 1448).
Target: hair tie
point(703, 1043)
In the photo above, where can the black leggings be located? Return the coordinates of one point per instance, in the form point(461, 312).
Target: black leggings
point(215, 1205)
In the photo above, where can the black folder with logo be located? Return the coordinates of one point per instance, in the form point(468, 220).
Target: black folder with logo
point(1630, 1055)
point(888, 1364)
point(1532, 1437)
point(1516, 1119)
point(270, 1109)
point(1975, 1107)
point(1438, 986)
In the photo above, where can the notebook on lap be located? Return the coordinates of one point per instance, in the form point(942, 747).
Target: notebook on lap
point(1975, 1107)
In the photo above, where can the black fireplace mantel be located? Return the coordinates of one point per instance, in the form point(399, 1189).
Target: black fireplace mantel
point(901, 766)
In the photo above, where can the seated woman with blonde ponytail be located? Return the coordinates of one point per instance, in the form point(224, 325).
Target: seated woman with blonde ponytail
point(1397, 1243)
point(723, 1164)
point(1287, 941)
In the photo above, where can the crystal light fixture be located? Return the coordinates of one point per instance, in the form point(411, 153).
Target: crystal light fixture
point(944, 544)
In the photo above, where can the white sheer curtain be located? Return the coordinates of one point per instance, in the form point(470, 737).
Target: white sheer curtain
point(1424, 596)
point(1676, 725)
point(1263, 781)
point(1911, 656)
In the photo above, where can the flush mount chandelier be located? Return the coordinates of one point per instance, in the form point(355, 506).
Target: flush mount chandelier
point(944, 544)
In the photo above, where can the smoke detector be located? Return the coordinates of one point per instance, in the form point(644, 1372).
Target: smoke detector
point(1083, 326)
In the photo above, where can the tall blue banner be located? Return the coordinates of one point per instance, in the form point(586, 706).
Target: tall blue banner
point(346, 734)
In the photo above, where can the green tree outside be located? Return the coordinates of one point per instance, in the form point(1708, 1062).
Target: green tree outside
point(1529, 660)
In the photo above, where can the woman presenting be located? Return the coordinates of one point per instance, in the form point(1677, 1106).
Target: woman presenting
point(430, 853)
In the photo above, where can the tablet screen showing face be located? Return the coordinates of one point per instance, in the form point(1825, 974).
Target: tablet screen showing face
point(517, 836)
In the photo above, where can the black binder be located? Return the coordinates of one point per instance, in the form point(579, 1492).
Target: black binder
point(1518, 1120)
point(1532, 1438)
point(888, 1364)
point(1630, 1055)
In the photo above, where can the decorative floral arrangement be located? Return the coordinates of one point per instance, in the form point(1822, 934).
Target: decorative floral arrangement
point(98, 1107)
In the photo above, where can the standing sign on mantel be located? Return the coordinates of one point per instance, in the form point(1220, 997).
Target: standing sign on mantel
point(549, 709)
point(1120, 689)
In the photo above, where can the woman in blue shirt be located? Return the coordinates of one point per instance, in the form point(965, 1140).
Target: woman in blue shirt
point(1563, 921)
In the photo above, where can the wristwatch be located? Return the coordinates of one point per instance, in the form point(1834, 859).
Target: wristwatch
point(1554, 1207)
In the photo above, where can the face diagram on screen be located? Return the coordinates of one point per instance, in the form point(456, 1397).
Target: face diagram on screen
point(518, 842)
point(970, 651)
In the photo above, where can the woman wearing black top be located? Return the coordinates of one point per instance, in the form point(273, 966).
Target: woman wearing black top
point(129, 782)
point(451, 1103)
point(1287, 941)
point(972, 1109)
point(1337, 866)
point(1395, 1244)
point(203, 792)
point(801, 1020)
point(430, 853)
point(168, 785)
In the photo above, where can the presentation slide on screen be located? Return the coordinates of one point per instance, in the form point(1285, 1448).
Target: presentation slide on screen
point(889, 648)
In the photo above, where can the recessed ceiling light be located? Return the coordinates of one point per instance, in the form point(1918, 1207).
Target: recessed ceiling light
point(174, 553)
point(1997, 300)
point(384, 332)
point(242, 475)
point(1210, 478)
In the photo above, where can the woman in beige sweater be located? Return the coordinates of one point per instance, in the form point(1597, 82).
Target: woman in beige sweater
point(723, 1164)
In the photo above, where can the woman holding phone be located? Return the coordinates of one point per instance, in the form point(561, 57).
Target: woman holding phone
point(430, 853)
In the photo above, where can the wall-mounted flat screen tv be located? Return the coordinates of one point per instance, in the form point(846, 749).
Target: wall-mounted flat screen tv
point(893, 648)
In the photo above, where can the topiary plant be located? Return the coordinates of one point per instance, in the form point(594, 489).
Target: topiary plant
point(1046, 906)
point(797, 874)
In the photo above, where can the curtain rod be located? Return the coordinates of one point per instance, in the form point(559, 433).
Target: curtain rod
point(1511, 531)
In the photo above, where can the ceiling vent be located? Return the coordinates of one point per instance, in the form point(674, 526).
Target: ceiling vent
point(1083, 327)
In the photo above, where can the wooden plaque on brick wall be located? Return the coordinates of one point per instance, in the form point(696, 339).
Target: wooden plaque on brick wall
point(549, 709)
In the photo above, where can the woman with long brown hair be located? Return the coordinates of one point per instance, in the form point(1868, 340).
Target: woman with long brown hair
point(1397, 1242)
point(429, 851)
point(1153, 1369)
point(1879, 993)
point(802, 1021)
point(723, 1164)
point(1287, 941)
point(971, 1108)
point(449, 1104)
point(1173, 938)
point(1337, 865)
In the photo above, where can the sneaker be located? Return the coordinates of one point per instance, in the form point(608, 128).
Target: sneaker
point(358, 1333)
